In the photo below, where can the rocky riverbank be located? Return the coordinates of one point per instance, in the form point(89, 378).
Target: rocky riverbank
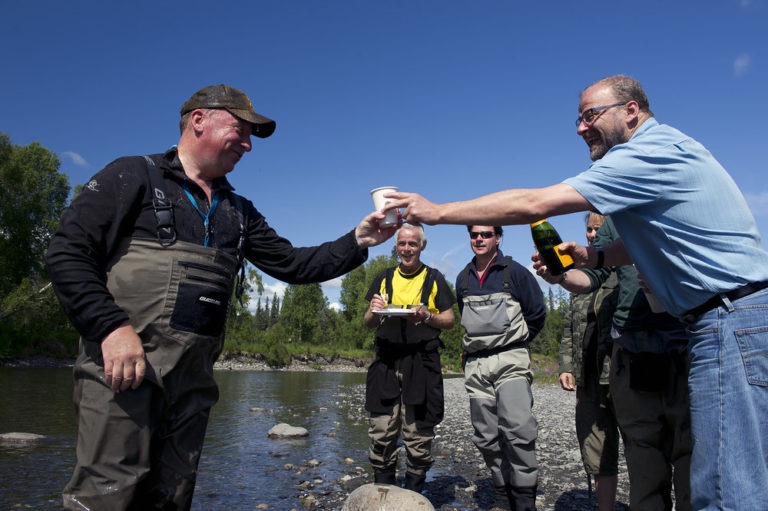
point(460, 481)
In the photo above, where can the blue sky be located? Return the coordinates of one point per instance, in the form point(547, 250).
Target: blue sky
point(451, 99)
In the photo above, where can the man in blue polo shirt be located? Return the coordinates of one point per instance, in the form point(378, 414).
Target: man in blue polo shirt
point(688, 230)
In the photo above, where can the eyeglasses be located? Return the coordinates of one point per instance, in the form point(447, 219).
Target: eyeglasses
point(483, 234)
point(588, 115)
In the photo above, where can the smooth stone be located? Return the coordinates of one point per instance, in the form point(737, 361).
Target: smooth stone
point(20, 438)
point(386, 497)
point(284, 430)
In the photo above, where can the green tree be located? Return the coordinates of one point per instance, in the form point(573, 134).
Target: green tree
point(303, 313)
point(354, 287)
point(274, 311)
point(548, 341)
point(262, 315)
point(32, 196)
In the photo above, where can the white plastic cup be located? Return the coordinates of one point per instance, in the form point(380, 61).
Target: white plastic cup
point(379, 201)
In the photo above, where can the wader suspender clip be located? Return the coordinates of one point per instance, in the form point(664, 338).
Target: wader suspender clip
point(166, 225)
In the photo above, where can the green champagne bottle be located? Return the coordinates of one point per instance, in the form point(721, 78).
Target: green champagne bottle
point(545, 238)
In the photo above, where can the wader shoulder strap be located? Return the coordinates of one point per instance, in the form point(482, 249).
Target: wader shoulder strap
point(166, 225)
point(463, 285)
point(388, 282)
point(507, 279)
point(426, 289)
point(237, 201)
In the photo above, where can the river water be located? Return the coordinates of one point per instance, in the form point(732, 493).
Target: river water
point(240, 468)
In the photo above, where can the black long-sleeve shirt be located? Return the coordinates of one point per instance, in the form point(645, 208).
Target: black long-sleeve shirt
point(116, 204)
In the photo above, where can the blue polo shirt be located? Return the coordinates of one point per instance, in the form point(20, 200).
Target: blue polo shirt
point(684, 221)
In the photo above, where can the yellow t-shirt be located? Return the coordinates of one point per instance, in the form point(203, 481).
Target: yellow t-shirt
point(406, 290)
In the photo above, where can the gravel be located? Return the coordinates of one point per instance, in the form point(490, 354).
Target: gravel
point(459, 479)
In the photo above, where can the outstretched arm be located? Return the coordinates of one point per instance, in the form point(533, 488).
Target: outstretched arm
point(508, 207)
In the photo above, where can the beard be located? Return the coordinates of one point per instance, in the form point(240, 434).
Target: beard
point(610, 138)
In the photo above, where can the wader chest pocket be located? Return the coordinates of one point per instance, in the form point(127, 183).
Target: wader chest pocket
point(202, 299)
point(485, 317)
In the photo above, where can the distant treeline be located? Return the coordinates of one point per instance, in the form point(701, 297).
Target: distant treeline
point(33, 193)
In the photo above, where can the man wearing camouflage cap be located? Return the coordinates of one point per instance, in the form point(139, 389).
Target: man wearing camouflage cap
point(144, 263)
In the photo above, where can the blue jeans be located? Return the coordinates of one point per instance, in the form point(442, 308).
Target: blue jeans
point(728, 383)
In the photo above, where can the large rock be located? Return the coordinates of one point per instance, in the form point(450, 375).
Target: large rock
point(20, 438)
point(284, 430)
point(385, 497)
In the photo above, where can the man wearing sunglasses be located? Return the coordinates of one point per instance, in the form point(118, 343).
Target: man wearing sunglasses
point(502, 310)
point(689, 231)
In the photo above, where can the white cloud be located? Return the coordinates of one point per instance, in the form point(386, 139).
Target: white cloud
point(741, 64)
point(275, 287)
point(75, 158)
point(270, 289)
point(333, 284)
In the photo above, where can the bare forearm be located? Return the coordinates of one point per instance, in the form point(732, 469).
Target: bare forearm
point(507, 207)
point(576, 281)
point(443, 320)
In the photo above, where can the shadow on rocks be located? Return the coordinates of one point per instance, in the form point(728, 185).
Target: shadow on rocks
point(581, 500)
point(442, 490)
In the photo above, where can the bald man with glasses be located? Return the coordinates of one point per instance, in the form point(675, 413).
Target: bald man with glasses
point(688, 229)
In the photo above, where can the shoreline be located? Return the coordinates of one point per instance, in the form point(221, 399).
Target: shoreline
point(231, 363)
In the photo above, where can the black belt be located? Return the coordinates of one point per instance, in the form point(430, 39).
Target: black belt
point(717, 301)
point(495, 351)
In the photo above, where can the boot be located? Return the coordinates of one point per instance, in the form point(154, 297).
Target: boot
point(414, 482)
point(502, 501)
point(384, 476)
point(522, 498)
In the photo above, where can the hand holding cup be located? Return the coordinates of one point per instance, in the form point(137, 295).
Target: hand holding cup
point(379, 201)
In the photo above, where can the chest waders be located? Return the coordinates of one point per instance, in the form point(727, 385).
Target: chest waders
point(497, 378)
point(140, 449)
point(492, 322)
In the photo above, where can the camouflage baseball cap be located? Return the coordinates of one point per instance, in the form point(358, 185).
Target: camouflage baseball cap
point(233, 101)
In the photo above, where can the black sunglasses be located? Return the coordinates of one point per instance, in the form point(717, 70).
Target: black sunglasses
point(483, 234)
